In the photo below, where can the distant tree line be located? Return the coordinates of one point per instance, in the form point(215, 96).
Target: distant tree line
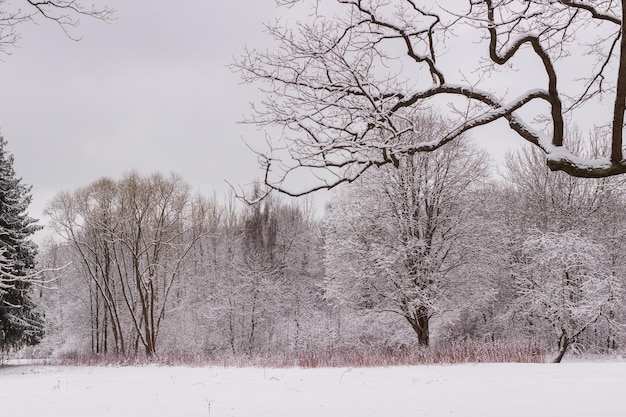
point(433, 251)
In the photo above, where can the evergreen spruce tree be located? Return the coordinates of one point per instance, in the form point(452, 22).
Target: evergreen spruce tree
point(20, 323)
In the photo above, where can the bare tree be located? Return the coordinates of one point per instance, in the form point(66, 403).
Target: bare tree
point(132, 237)
point(65, 13)
point(556, 201)
point(342, 87)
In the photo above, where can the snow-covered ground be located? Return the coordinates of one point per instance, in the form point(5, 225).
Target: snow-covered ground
point(548, 390)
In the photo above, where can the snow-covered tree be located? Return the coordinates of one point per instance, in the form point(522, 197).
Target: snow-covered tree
point(272, 279)
point(395, 239)
point(65, 300)
point(486, 286)
point(338, 87)
point(564, 281)
point(20, 322)
point(249, 284)
point(537, 200)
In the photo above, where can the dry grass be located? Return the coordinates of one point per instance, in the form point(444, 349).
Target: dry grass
point(467, 352)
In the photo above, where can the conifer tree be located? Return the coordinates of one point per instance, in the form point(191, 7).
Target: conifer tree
point(20, 323)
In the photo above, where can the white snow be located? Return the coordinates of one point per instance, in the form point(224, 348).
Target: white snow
point(481, 390)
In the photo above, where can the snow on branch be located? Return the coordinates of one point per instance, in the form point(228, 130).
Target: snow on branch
point(342, 91)
point(65, 13)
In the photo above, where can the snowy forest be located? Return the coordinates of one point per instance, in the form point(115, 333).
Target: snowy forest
point(436, 251)
point(422, 203)
point(422, 243)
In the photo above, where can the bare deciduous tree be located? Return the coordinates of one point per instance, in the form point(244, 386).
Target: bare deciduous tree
point(65, 13)
point(132, 237)
point(342, 87)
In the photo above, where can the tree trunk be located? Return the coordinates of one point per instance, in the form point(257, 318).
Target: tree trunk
point(563, 345)
point(419, 320)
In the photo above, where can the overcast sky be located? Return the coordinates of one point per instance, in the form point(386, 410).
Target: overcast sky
point(150, 92)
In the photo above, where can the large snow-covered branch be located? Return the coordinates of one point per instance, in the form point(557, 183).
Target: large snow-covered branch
point(345, 92)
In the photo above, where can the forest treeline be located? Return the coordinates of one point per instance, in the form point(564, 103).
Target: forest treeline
point(434, 251)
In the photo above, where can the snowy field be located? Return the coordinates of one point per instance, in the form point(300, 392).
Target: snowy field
point(547, 390)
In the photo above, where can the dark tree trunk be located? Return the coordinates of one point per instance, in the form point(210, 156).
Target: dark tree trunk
point(419, 320)
point(563, 345)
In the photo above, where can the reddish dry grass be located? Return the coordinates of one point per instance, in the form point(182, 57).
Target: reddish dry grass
point(467, 352)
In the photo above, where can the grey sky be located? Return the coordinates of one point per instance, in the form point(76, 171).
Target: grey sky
point(151, 92)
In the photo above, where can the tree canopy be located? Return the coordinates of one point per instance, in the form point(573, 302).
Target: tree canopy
point(343, 87)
